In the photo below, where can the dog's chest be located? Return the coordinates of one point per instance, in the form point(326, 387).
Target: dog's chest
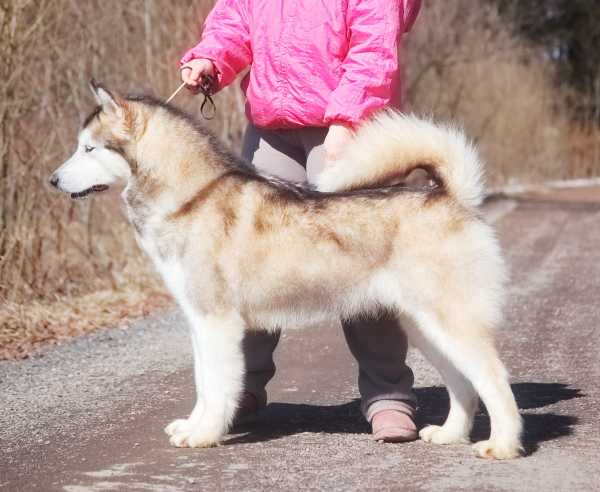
point(152, 232)
point(163, 243)
point(171, 269)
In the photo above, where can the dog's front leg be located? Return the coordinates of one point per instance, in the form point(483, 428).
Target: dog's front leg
point(219, 369)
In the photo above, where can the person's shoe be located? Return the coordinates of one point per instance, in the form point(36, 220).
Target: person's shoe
point(393, 426)
point(247, 410)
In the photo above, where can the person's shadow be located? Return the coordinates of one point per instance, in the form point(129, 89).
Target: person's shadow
point(283, 419)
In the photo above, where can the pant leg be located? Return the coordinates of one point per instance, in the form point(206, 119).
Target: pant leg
point(258, 347)
point(273, 154)
point(312, 140)
point(378, 345)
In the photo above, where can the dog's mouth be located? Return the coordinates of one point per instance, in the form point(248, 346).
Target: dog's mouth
point(92, 189)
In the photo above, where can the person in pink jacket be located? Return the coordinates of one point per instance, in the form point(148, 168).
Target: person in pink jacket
point(317, 69)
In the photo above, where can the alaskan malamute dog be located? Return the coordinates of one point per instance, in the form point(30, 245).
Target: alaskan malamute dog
point(240, 250)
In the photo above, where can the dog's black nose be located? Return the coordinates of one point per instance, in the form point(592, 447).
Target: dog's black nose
point(54, 180)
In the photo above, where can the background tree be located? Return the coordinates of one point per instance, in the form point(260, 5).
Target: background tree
point(569, 33)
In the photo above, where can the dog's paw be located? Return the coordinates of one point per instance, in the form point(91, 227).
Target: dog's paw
point(199, 437)
point(492, 449)
point(178, 426)
point(442, 435)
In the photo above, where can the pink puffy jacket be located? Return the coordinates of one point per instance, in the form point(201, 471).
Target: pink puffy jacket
point(313, 62)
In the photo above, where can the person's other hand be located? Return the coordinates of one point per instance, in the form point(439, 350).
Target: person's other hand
point(337, 139)
point(192, 72)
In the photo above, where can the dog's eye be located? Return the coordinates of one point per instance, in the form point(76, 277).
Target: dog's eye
point(89, 148)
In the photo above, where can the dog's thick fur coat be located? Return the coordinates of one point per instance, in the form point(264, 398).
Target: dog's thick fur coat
point(239, 251)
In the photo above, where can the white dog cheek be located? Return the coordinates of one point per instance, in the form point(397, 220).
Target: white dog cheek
point(116, 166)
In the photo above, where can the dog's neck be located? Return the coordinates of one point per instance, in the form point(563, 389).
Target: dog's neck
point(170, 172)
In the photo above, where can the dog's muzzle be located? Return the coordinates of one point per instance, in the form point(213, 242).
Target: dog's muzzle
point(54, 181)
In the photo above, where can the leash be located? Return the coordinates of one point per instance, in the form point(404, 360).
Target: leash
point(207, 84)
point(172, 96)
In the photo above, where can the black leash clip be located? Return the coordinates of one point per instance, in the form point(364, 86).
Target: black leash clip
point(207, 88)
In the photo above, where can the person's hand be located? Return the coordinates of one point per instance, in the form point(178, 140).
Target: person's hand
point(337, 139)
point(192, 72)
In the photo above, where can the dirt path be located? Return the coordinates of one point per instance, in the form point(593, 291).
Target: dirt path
point(88, 416)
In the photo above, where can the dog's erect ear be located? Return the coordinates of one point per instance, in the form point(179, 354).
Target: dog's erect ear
point(108, 102)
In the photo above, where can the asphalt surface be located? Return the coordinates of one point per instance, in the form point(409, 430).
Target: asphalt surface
point(88, 415)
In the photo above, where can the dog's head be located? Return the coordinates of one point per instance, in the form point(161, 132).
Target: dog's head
point(104, 143)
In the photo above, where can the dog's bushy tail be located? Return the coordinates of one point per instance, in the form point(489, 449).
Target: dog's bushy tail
point(391, 145)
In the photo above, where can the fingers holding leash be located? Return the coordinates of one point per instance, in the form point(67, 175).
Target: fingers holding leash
point(199, 77)
point(194, 71)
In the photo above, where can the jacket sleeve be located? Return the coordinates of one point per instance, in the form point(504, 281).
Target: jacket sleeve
point(225, 40)
point(370, 68)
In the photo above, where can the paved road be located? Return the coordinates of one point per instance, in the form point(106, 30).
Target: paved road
point(88, 415)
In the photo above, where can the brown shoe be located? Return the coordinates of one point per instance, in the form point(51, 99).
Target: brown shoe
point(393, 426)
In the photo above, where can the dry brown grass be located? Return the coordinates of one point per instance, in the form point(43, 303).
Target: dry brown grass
point(25, 327)
point(66, 267)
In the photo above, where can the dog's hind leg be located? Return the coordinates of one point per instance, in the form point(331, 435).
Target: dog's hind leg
point(218, 368)
point(470, 353)
point(463, 397)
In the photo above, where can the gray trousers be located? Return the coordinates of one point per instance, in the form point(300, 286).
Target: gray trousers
point(378, 345)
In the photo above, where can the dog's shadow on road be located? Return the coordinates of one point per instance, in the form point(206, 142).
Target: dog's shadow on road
point(284, 419)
